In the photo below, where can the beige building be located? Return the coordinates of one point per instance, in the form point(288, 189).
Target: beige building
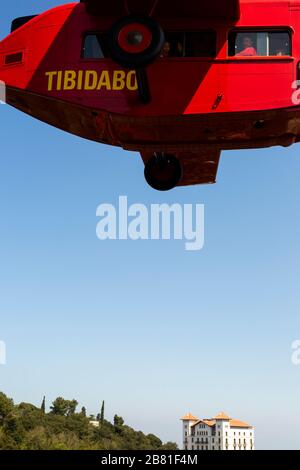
point(218, 433)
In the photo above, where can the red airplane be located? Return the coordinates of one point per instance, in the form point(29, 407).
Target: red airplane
point(176, 80)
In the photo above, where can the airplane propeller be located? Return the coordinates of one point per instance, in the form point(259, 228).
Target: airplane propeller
point(135, 43)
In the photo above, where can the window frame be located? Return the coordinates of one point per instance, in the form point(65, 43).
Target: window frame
point(16, 55)
point(261, 29)
point(194, 31)
point(83, 39)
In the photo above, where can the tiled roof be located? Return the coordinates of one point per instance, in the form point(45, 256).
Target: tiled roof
point(222, 416)
point(189, 417)
point(208, 422)
point(236, 423)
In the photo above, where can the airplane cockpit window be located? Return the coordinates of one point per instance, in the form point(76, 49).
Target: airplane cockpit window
point(190, 44)
point(259, 43)
point(94, 46)
point(183, 44)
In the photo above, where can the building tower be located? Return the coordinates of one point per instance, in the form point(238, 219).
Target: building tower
point(187, 421)
point(223, 430)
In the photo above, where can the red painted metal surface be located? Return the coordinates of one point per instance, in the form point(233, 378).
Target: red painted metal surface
point(221, 9)
point(199, 105)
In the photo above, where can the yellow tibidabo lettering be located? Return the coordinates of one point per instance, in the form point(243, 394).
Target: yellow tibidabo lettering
point(70, 80)
point(89, 80)
point(104, 81)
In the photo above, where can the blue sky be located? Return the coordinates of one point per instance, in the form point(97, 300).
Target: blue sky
point(154, 330)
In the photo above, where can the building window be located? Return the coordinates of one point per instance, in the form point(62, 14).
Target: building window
point(261, 43)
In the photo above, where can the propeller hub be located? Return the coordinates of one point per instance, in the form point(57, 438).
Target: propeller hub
point(135, 38)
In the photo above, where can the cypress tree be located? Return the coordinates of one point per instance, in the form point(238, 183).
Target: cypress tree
point(43, 407)
point(102, 413)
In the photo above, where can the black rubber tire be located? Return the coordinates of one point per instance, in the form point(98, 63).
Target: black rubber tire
point(163, 172)
point(135, 60)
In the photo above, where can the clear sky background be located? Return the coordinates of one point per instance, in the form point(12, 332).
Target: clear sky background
point(154, 330)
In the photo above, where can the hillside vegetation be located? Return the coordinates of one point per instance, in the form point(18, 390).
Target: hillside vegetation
point(27, 427)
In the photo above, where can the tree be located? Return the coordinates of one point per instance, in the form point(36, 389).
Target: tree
point(102, 414)
point(43, 407)
point(27, 407)
point(13, 427)
point(6, 406)
point(72, 407)
point(118, 421)
point(63, 407)
point(170, 446)
point(29, 416)
point(27, 427)
point(155, 441)
point(60, 406)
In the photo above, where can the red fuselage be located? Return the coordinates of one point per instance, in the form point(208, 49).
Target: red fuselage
point(238, 97)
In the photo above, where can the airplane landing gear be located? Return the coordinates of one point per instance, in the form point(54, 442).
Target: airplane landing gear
point(163, 171)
